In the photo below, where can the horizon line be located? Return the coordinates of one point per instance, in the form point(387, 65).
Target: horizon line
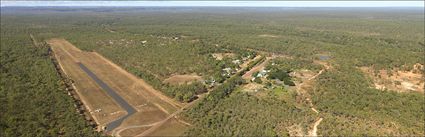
point(294, 4)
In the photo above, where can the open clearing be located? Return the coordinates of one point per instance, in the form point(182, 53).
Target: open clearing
point(221, 56)
point(171, 127)
point(151, 105)
point(397, 80)
point(117, 98)
point(268, 36)
point(182, 79)
point(101, 106)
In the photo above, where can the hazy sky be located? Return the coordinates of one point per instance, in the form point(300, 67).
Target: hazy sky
point(221, 3)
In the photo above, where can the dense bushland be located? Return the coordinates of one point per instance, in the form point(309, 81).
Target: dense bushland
point(33, 100)
point(242, 114)
point(154, 43)
point(353, 107)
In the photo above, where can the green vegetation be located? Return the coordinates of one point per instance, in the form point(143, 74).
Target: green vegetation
point(251, 65)
point(190, 91)
point(155, 43)
point(242, 114)
point(33, 100)
point(293, 64)
point(258, 80)
point(350, 107)
point(282, 75)
point(279, 90)
point(215, 96)
point(255, 74)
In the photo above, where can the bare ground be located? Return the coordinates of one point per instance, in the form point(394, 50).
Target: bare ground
point(268, 36)
point(143, 84)
point(152, 106)
point(182, 79)
point(397, 80)
point(314, 131)
point(220, 56)
point(295, 130)
point(88, 91)
point(252, 87)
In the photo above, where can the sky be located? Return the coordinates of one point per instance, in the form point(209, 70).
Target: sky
point(218, 3)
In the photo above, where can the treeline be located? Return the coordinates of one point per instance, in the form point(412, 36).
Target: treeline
point(252, 64)
point(186, 92)
point(32, 95)
point(214, 97)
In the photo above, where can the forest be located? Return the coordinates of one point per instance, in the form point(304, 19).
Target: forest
point(33, 98)
point(157, 43)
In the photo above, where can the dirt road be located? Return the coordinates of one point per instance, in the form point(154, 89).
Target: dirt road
point(300, 91)
point(258, 67)
point(314, 131)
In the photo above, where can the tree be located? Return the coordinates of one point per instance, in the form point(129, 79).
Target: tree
point(258, 80)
